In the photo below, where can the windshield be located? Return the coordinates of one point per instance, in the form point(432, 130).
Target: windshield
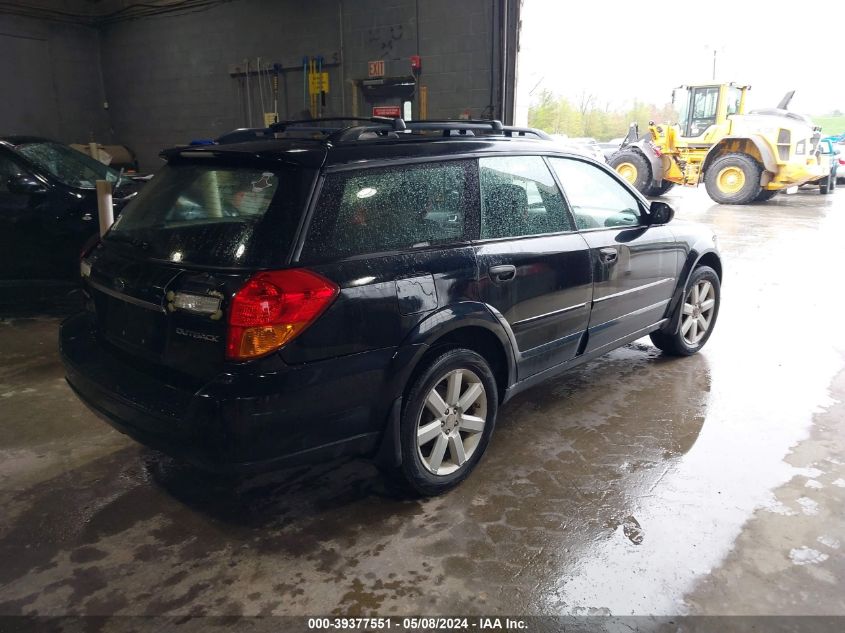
point(67, 165)
point(211, 215)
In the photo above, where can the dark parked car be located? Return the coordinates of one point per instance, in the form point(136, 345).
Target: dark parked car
point(48, 207)
point(379, 292)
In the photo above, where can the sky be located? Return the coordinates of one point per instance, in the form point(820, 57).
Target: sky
point(621, 51)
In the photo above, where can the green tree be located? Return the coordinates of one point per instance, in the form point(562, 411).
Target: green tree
point(556, 114)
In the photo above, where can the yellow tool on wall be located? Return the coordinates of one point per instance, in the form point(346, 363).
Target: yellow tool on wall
point(318, 86)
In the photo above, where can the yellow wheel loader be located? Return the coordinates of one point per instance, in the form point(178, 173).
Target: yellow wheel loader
point(741, 158)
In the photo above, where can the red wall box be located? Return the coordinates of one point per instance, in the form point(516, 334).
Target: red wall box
point(388, 111)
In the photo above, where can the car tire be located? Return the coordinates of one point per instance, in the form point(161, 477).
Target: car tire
point(824, 185)
point(733, 179)
point(765, 194)
point(664, 187)
point(703, 286)
point(440, 449)
point(633, 167)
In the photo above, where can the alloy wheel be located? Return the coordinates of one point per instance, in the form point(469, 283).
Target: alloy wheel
point(699, 308)
point(452, 422)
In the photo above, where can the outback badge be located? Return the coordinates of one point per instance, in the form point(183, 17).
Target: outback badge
point(200, 336)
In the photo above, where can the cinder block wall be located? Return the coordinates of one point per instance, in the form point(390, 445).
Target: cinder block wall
point(50, 78)
point(167, 80)
point(168, 77)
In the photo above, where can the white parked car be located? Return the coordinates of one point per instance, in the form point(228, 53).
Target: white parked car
point(592, 146)
point(582, 146)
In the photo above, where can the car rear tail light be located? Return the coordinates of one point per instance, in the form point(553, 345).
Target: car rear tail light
point(272, 308)
point(842, 161)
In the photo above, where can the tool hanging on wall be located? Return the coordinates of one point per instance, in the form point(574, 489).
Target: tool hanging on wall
point(312, 101)
point(323, 86)
point(275, 93)
point(260, 83)
point(315, 93)
point(241, 97)
point(272, 97)
point(305, 101)
point(318, 86)
point(276, 68)
point(263, 71)
point(248, 99)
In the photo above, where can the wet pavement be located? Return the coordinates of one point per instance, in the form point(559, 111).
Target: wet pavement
point(638, 484)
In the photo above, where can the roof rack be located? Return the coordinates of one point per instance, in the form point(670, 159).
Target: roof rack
point(373, 128)
point(303, 128)
point(512, 131)
point(393, 128)
point(460, 124)
point(283, 126)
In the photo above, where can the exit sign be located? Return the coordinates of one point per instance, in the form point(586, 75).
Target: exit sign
point(375, 69)
point(394, 112)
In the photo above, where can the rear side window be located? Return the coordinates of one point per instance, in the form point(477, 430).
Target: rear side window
point(519, 197)
point(388, 209)
point(212, 214)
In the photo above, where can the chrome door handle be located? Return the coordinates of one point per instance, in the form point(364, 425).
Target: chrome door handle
point(502, 273)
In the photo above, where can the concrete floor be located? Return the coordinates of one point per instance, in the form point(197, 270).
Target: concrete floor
point(636, 485)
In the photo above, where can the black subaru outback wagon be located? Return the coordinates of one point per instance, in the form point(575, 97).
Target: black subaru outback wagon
point(379, 289)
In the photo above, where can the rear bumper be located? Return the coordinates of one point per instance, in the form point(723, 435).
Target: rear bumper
point(235, 422)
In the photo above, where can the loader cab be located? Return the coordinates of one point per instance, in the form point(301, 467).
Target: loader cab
point(704, 106)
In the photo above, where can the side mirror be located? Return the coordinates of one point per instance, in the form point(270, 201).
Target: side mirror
point(24, 184)
point(660, 213)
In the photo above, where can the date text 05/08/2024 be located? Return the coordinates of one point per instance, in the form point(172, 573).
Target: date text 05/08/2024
point(417, 623)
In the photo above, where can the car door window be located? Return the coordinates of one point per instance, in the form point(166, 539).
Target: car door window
point(519, 197)
point(597, 199)
point(388, 209)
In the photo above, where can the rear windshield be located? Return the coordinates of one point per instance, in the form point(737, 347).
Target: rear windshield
point(212, 215)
